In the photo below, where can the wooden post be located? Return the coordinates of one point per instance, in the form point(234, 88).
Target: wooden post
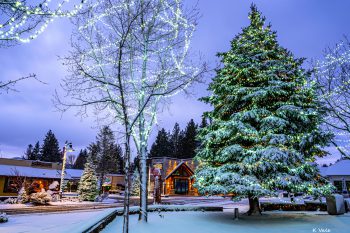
point(235, 214)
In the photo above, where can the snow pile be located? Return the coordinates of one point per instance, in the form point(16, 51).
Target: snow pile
point(53, 185)
point(10, 201)
point(40, 198)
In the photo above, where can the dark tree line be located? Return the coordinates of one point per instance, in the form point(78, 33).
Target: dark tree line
point(106, 154)
point(49, 151)
point(178, 143)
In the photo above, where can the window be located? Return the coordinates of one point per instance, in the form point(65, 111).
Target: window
point(11, 185)
point(338, 185)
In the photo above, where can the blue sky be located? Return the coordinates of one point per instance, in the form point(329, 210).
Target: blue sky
point(304, 27)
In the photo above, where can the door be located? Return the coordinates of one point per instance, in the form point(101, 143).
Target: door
point(181, 186)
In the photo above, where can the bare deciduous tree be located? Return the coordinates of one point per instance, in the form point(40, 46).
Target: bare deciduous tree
point(127, 57)
point(332, 75)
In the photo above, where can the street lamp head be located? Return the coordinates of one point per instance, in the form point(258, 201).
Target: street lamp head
point(69, 146)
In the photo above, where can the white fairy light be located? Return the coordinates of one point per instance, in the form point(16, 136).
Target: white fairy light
point(17, 27)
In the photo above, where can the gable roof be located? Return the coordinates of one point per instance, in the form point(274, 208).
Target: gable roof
point(177, 167)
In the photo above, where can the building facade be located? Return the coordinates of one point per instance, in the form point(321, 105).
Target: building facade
point(37, 175)
point(176, 175)
point(339, 175)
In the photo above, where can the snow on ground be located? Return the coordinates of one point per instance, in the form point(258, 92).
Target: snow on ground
point(14, 206)
point(69, 222)
point(222, 222)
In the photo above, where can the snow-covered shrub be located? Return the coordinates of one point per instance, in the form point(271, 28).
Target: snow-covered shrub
point(10, 201)
point(3, 217)
point(88, 183)
point(54, 195)
point(22, 196)
point(54, 185)
point(40, 198)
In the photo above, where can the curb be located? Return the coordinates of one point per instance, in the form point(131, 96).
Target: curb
point(100, 225)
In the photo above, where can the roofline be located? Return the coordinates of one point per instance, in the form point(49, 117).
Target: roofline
point(177, 167)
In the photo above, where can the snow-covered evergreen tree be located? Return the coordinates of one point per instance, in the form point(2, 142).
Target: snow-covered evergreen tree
point(135, 183)
point(87, 188)
point(265, 132)
point(22, 196)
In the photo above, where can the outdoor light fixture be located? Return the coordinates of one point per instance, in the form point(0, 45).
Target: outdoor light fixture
point(67, 148)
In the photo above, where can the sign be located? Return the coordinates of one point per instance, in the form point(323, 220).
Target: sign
point(107, 182)
point(158, 165)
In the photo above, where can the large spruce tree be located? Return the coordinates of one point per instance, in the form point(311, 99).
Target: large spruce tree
point(265, 134)
point(50, 150)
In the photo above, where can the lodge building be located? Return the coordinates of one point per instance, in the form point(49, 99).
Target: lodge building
point(176, 175)
point(39, 175)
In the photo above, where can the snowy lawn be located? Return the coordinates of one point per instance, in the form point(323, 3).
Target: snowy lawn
point(222, 222)
point(69, 222)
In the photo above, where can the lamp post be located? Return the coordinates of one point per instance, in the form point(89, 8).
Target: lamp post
point(67, 148)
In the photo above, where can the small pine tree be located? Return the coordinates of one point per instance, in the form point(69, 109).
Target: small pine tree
point(22, 196)
point(135, 183)
point(87, 189)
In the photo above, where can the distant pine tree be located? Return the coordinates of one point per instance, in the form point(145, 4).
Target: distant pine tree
point(119, 159)
point(50, 150)
point(161, 147)
point(29, 153)
point(189, 143)
point(87, 188)
point(106, 154)
point(176, 139)
point(81, 159)
point(36, 154)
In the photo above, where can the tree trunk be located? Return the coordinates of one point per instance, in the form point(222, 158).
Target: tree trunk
point(143, 172)
point(127, 185)
point(254, 206)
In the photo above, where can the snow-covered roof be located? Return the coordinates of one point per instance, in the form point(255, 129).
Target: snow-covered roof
point(11, 170)
point(340, 168)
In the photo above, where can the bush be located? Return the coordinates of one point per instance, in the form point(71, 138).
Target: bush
point(11, 201)
point(40, 198)
point(3, 218)
point(22, 196)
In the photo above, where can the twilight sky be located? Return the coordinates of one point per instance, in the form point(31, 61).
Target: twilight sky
point(304, 27)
